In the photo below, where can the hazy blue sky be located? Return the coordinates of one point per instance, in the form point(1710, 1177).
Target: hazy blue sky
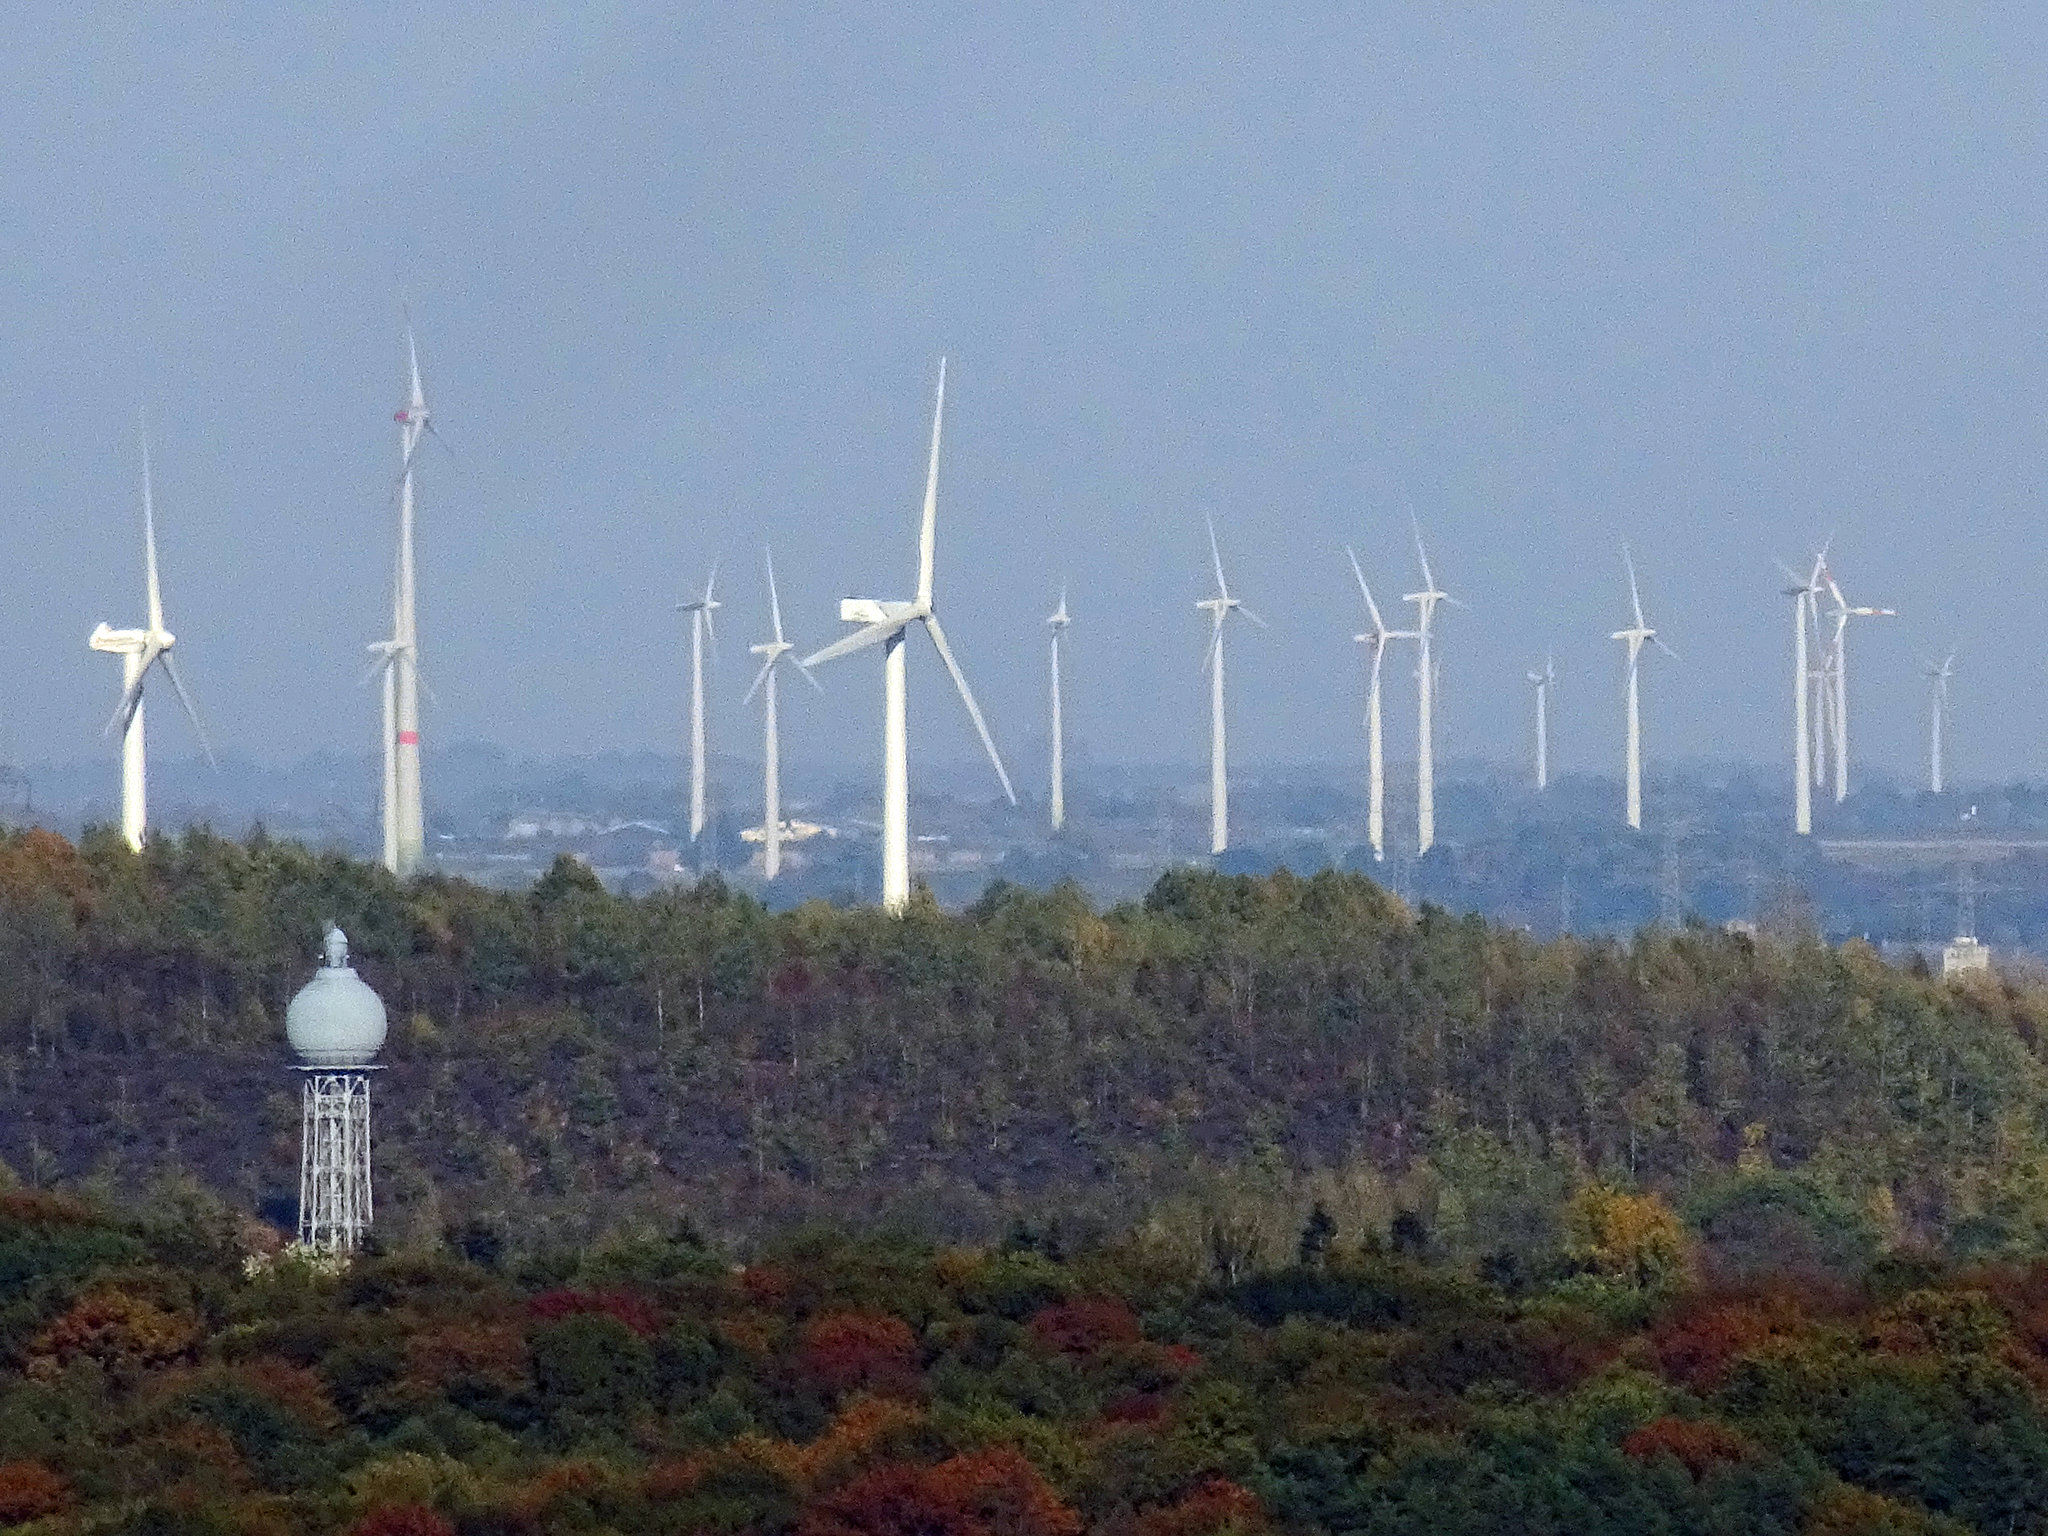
point(1713, 281)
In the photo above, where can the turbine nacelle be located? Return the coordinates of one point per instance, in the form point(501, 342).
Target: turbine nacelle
point(872, 611)
point(124, 642)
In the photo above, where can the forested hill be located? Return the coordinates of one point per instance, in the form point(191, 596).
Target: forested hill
point(1214, 1062)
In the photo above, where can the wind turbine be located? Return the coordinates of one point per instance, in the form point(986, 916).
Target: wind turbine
point(888, 624)
point(140, 650)
point(398, 658)
point(1425, 685)
point(1543, 681)
point(1937, 715)
point(1805, 612)
point(1378, 637)
point(1058, 622)
point(1636, 637)
point(1219, 608)
point(771, 748)
point(1840, 656)
point(700, 613)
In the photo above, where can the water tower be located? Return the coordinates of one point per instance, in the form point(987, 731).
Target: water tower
point(336, 1026)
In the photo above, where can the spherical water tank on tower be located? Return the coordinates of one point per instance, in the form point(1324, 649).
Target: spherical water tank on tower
point(336, 1027)
point(336, 1020)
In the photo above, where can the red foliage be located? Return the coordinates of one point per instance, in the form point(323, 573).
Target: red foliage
point(121, 1331)
point(40, 865)
point(866, 1351)
point(401, 1520)
point(1003, 1494)
point(1085, 1324)
point(634, 1311)
point(1182, 1360)
point(1136, 1408)
point(985, 1493)
point(45, 1208)
point(889, 1501)
point(675, 1478)
point(1217, 1506)
point(29, 1490)
point(764, 1287)
point(1697, 1446)
point(1697, 1346)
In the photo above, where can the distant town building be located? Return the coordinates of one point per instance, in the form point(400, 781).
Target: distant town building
point(1965, 954)
point(793, 831)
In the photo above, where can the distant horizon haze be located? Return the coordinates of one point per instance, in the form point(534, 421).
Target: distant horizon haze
point(1719, 284)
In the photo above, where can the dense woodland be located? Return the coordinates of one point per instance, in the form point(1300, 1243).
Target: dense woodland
point(173, 1377)
point(1210, 1063)
point(1265, 1205)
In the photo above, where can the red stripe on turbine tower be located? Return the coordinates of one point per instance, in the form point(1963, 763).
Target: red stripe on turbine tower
point(408, 738)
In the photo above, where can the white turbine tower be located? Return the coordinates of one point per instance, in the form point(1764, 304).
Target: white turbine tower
point(1844, 612)
point(1805, 613)
point(398, 658)
point(1937, 716)
point(1058, 622)
point(888, 624)
point(140, 650)
point(1636, 637)
point(1219, 608)
point(700, 613)
point(1542, 682)
point(771, 745)
point(1425, 603)
point(1378, 638)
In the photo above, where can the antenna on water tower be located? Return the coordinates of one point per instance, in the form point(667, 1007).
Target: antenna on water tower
point(336, 1027)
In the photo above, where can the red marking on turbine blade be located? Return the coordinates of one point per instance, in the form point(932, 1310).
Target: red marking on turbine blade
point(400, 416)
point(408, 738)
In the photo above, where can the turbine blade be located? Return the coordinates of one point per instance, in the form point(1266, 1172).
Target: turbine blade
point(131, 700)
point(1635, 593)
point(859, 640)
point(154, 590)
point(927, 536)
point(191, 709)
point(1253, 616)
point(931, 627)
point(1421, 554)
point(418, 399)
point(760, 677)
point(804, 667)
point(1216, 556)
point(774, 599)
point(1654, 640)
point(1379, 626)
